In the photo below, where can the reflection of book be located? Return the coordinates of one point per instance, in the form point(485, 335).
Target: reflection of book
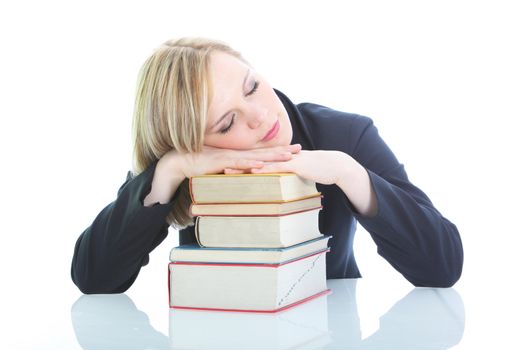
point(257, 231)
point(195, 253)
point(256, 209)
point(250, 188)
point(112, 321)
point(247, 287)
point(304, 327)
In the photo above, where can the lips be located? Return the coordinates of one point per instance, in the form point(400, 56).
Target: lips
point(273, 132)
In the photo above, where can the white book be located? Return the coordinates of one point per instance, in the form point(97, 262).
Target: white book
point(257, 231)
point(247, 287)
point(250, 188)
point(196, 253)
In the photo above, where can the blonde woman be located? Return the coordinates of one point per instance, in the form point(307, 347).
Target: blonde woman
point(200, 109)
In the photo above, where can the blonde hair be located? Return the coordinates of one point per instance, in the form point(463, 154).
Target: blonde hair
point(172, 99)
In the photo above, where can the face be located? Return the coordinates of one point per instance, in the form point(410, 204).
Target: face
point(245, 112)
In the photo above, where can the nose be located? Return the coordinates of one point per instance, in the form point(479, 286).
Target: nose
point(256, 117)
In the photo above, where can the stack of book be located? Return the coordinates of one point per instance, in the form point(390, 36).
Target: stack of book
point(259, 247)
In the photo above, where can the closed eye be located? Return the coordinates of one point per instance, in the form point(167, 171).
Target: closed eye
point(226, 129)
point(254, 88)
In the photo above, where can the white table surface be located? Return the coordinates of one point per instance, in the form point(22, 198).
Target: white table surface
point(423, 319)
point(44, 310)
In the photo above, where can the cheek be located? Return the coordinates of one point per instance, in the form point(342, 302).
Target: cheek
point(232, 140)
point(242, 140)
point(271, 99)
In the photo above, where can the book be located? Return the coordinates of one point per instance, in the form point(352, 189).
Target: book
point(303, 327)
point(257, 231)
point(247, 287)
point(250, 188)
point(256, 209)
point(272, 256)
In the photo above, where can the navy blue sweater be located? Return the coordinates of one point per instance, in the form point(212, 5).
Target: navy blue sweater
point(409, 231)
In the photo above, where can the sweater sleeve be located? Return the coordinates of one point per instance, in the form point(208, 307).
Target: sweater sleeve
point(109, 254)
point(409, 231)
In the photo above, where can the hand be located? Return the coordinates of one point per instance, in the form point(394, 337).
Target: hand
point(324, 167)
point(327, 168)
point(217, 160)
point(174, 167)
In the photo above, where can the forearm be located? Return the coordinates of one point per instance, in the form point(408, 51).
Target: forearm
point(167, 178)
point(410, 233)
point(99, 266)
point(355, 183)
point(413, 236)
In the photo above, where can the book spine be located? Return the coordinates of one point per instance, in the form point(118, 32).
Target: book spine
point(169, 285)
point(190, 185)
point(197, 236)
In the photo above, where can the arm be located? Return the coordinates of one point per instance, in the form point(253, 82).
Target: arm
point(409, 231)
point(109, 254)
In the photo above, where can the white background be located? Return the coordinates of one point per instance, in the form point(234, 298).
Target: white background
point(444, 82)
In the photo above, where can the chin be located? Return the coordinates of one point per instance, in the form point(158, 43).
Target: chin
point(287, 136)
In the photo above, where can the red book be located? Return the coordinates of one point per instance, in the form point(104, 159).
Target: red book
point(257, 209)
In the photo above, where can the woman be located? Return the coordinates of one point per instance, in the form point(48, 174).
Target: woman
point(200, 109)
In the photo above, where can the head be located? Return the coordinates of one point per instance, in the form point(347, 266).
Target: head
point(244, 111)
point(194, 92)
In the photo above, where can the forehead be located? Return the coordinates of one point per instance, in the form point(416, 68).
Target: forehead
point(226, 74)
point(223, 67)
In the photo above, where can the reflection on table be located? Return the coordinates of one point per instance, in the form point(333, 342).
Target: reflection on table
point(426, 318)
point(113, 322)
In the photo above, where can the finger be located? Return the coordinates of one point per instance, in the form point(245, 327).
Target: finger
point(288, 148)
point(243, 164)
point(233, 171)
point(278, 167)
point(274, 155)
point(295, 148)
point(245, 159)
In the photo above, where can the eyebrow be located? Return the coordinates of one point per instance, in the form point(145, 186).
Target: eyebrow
point(228, 112)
